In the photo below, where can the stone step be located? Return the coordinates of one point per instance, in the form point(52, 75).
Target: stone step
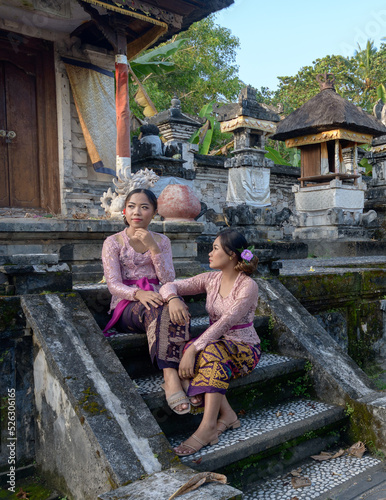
point(269, 367)
point(132, 348)
point(342, 478)
point(262, 430)
point(269, 382)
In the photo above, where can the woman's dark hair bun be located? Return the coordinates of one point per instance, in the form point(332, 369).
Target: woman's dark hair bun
point(233, 241)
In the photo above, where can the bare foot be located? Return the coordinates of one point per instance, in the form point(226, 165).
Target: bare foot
point(195, 400)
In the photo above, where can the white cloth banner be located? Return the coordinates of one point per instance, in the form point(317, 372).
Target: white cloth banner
point(248, 185)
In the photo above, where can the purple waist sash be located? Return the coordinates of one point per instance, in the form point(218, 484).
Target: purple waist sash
point(237, 327)
point(143, 284)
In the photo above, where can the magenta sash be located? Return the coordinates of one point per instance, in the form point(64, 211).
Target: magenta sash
point(143, 284)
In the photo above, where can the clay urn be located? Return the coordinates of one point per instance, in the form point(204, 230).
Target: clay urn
point(178, 202)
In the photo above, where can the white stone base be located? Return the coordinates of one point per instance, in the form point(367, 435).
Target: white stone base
point(331, 211)
point(329, 233)
point(319, 198)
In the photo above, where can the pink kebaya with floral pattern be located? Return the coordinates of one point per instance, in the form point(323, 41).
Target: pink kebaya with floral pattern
point(122, 262)
point(225, 313)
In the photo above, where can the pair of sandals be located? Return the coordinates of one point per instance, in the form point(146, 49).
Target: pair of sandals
point(191, 450)
point(180, 398)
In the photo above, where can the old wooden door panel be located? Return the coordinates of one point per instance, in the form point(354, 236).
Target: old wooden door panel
point(24, 178)
point(28, 101)
point(4, 182)
point(310, 160)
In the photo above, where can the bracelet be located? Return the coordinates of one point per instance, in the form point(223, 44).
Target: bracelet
point(174, 297)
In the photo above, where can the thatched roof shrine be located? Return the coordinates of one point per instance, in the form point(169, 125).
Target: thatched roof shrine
point(326, 111)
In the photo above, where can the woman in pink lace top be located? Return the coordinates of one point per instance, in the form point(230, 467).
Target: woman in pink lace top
point(136, 261)
point(230, 347)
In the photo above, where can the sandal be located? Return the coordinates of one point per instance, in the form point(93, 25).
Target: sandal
point(176, 399)
point(234, 425)
point(192, 448)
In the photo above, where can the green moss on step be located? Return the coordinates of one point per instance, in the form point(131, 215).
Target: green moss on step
point(36, 488)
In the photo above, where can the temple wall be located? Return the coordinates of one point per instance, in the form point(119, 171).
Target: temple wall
point(211, 184)
point(282, 180)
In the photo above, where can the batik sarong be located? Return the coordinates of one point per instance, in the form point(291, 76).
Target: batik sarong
point(220, 361)
point(166, 340)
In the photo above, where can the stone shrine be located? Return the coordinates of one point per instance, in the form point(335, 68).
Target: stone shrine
point(376, 194)
point(248, 197)
point(249, 170)
point(330, 198)
point(177, 128)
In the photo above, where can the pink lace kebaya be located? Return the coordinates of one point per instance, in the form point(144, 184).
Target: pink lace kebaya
point(121, 262)
point(237, 309)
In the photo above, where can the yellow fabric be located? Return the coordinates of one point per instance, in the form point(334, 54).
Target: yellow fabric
point(93, 94)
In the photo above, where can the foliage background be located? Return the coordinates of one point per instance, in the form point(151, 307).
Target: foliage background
point(203, 71)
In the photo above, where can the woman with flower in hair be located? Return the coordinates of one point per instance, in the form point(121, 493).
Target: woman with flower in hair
point(230, 347)
point(136, 261)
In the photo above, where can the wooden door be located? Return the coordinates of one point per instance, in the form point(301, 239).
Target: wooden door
point(29, 174)
point(310, 160)
point(20, 154)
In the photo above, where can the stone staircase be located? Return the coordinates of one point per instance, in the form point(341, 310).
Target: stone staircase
point(282, 425)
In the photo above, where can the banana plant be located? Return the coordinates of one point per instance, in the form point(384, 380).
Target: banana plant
point(203, 136)
point(381, 92)
point(294, 155)
point(152, 62)
point(156, 60)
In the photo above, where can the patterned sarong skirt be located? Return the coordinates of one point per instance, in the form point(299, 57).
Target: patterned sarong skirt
point(220, 361)
point(166, 340)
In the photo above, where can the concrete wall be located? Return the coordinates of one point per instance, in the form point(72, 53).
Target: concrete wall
point(349, 306)
point(94, 431)
point(16, 379)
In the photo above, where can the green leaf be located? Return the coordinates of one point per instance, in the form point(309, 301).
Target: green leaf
point(381, 92)
point(154, 61)
point(206, 110)
point(365, 164)
point(205, 146)
point(295, 157)
point(275, 156)
point(161, 52)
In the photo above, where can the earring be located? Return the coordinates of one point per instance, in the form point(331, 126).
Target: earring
point(230, 258)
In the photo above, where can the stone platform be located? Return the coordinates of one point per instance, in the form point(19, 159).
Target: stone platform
point(78, 242)
point(332, 265)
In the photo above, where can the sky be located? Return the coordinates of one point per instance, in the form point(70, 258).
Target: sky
point(278, 37)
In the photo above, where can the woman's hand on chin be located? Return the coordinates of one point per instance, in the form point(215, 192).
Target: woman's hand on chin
point(147, 240)
point(179, 312)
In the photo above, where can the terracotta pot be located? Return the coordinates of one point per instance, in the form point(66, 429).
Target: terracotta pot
point(178, 202)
